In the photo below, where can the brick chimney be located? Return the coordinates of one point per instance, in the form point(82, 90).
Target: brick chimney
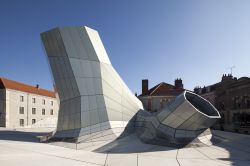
point(178, 83)
point(144, 87)
point(227, 77)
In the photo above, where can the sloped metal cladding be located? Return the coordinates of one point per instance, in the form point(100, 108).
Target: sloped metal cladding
point(179, 123)
point(95, 103)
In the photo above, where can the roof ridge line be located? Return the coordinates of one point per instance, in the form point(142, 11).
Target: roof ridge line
point(156, 88)
point(19, 86)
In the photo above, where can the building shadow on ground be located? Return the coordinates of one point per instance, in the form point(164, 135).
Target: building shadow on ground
point(231, 147)
point(228, 148)
point(12, 135)
point(131, 144)
point(237, 146)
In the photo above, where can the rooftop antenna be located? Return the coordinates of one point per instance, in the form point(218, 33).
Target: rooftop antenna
point(231, 69)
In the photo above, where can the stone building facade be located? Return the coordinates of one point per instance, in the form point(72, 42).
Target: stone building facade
point(231, 96)
point(159, 96)
point(23, 105)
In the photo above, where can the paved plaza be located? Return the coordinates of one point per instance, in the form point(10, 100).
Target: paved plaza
point(22, 148)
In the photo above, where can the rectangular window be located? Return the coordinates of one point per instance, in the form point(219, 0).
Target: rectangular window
point(33, 100)
point(21, 98)
point(33, 121)
point(51, 112)
point(43, 101)
point(21, 110)
point(33, 110)
point(21, 122)
point(51, 103)
point(43, 111)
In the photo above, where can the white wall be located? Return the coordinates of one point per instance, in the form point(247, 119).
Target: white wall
point(156, 101)
point(2, 108)
point(13, 103)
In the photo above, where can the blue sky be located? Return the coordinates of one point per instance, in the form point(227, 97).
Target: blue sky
point(161, 40)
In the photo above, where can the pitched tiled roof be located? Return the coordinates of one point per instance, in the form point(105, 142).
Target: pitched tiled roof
point(9, 84)
point(163, 89)
point(153, 89)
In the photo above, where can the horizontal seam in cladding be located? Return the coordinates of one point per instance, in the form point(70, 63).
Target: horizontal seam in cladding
point(98, 109)
point(119, 112)
point(171, 112)
point(89, 95)
point(101, 131)
point(66, 52)
point(101, 126)
point(103, 138)
point(92, 137)
point(72, 130)
point(122, 97)
point(69, 77)
point(178, 129)
point(118, 103)
point(79, 59)
point(85, 127)
point(186, 120)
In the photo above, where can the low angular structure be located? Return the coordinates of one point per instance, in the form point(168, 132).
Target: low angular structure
point(180, 123)
point(96, 105)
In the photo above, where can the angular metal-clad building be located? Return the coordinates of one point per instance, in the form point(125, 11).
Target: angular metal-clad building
point(95, 103)
point(185, 119)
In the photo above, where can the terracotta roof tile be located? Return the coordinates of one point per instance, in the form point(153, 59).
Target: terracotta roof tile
point(10, 84)
point(164, 89)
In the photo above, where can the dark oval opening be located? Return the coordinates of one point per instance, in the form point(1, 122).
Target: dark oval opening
point(201, 104)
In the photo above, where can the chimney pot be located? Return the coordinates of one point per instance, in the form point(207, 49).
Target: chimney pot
point(178, 83)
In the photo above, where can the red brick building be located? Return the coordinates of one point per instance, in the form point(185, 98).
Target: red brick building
point(231, 96)
point(159, 96)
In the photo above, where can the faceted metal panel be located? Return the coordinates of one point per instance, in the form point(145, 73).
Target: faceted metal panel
point(93, 97)
point(96, 105)
point(179, 123)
